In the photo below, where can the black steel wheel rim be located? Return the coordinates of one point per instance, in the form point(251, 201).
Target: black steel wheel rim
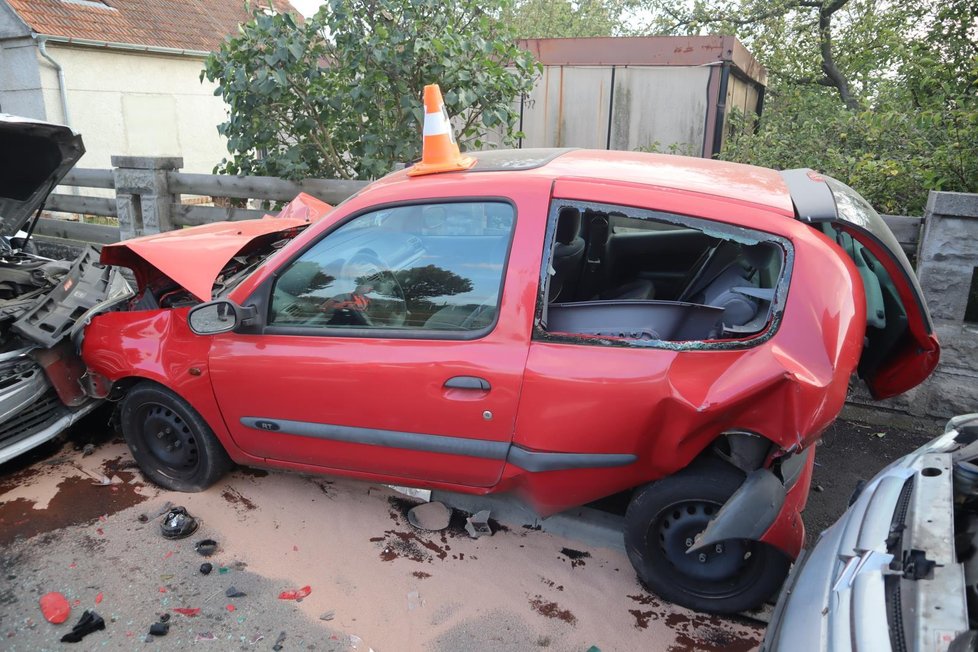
point(718, 571)
point(168, 438)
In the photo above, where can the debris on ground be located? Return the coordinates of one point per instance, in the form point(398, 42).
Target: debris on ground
point(430, 516)
point(206, 568)
point(88, 449)
point(327, 615)
point(206, 547)
point(204, 636)
point(232, 592)
point(477, 525)
point(55, 607)
point(414, 600)
point(187, 611)
point(279, 641)
point(88, 623)
point(178, 523)
point(295, 594)
point(161, 628)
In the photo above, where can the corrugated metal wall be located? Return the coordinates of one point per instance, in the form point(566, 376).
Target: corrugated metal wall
point(617, 107)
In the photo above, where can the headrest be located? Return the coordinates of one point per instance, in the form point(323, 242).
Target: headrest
point(568, 225)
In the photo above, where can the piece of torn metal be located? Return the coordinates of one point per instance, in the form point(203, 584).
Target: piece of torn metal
point(420, 494)
point(477, 525)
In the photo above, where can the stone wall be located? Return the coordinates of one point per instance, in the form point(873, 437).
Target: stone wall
point(947, 257)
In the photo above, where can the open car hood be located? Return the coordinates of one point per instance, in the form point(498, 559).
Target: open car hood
point(194, 257)
point(34, 157)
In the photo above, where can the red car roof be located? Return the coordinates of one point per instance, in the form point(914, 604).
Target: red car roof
point(736, 181)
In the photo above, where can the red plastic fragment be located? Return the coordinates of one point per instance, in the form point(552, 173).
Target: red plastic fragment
point(168, 555)
point(295, 594)
point(76, 602)
point(55, 607)
point(100, 531)
point(188, 611)
point(162, 589)
point(98, 599)
point(230, 607)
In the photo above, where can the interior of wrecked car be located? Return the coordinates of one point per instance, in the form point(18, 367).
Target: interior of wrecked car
point(643, 276)
point(621, 273)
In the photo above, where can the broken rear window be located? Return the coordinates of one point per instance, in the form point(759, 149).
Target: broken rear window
point(623, 275)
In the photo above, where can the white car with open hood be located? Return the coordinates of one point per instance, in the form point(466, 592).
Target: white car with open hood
point(43, 302)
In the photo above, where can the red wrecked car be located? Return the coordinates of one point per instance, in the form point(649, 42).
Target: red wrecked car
point(562, 324)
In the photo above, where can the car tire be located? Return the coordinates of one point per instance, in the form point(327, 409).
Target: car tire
point(662, 519)
point(173, 445)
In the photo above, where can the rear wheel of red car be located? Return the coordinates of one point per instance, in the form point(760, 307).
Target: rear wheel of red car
point(172, 444)
point(661, 522)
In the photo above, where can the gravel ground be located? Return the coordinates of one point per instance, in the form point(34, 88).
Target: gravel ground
point(383, 584)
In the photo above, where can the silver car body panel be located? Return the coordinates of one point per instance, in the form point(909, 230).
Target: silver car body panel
point(850, 591)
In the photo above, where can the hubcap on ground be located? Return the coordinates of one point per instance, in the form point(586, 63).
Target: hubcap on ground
point(169, 438)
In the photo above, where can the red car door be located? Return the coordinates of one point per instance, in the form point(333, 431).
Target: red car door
point(388, 348)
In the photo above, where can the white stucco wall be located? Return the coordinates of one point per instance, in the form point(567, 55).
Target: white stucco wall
point(136, 104)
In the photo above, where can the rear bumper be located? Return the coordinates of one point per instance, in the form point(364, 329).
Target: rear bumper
point(767, 507)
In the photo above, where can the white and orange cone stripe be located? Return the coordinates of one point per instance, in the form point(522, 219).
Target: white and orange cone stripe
point(439, 152)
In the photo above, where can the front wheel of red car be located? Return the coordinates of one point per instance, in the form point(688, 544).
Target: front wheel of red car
point(172, 444)
point(661, 522)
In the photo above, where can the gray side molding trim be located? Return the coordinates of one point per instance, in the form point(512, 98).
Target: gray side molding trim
point(813, 199)
point(412, 441)
point(533, 461)
point(537, 461)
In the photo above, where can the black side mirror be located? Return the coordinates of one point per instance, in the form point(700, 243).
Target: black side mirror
point(219, 316)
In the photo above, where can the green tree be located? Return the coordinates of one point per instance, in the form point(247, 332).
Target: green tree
point(880, 94)
point(565, 19)
point(339, 95)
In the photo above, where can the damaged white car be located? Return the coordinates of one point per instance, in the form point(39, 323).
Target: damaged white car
point(899, 570)
point(43, 302)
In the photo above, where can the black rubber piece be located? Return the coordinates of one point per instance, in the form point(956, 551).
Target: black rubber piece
point(170, 441)
point(88, 623)
point(206, 568)
point(206, 547)
point(232, 592)
point(665, 516)
point(159, 629)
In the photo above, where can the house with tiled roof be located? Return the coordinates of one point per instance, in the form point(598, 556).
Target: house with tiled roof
point(123, 73)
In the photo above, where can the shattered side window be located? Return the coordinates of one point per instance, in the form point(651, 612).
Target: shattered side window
point(428, 267)
point(645, 277)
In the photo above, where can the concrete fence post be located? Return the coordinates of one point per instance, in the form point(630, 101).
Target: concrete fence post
point(947, 266)
point(143, 197)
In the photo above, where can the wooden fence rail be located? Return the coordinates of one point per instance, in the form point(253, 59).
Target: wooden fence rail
point(163, 187)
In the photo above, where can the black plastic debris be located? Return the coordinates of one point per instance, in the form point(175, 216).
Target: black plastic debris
point(206, 547)
point(328, 615)
point(88, 623)
point(234, 593)
point(159, 629)
point(477, 525)
point(279, 641)
point(206, 568)
point(178, 523)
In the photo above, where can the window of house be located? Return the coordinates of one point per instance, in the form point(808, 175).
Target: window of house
point(641, 277)
point(434, 268)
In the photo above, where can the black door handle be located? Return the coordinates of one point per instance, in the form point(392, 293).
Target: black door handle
point(468, 382)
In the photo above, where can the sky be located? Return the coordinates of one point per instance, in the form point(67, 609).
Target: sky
point(306, 7)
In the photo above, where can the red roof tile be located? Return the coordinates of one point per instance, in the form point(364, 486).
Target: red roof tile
point(181, 24)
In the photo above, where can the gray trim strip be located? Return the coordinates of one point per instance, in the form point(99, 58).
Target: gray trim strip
point(533, 461)
point(536, 461)
point(412, 441)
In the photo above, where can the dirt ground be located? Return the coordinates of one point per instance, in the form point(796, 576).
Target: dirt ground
point(375, 582)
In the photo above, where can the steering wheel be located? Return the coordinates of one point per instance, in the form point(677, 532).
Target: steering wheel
point(370, 275)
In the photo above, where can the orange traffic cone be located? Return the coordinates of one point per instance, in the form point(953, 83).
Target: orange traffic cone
point(439, 153)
